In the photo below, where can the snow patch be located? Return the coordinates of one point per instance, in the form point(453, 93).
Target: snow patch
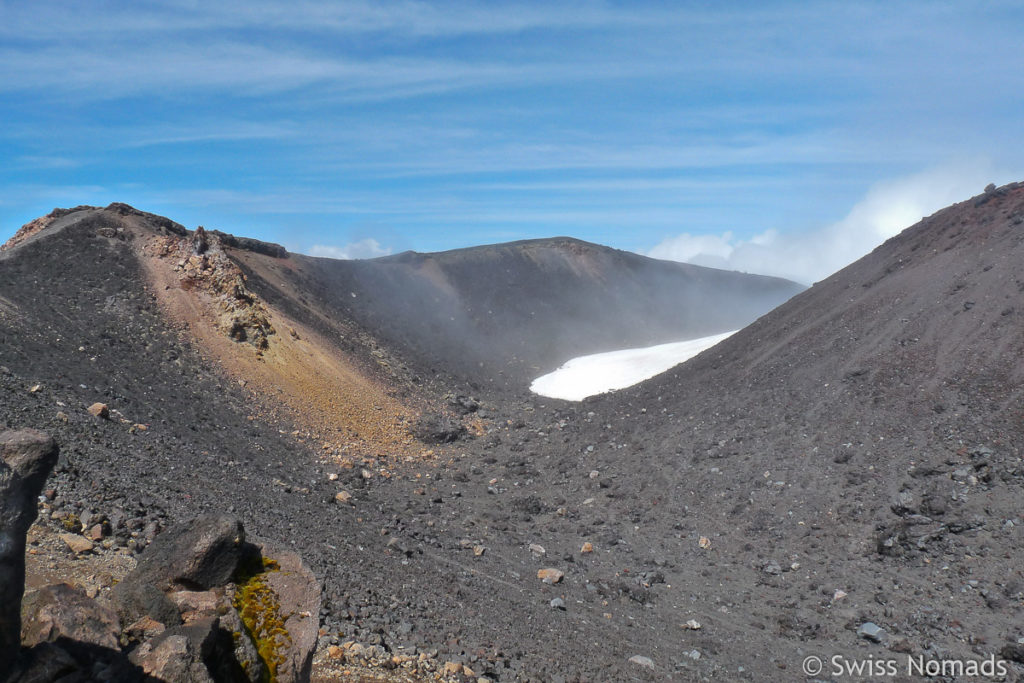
point(602, 372)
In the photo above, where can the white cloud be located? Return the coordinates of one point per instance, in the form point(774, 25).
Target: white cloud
point(806, 257)
point(364, 248)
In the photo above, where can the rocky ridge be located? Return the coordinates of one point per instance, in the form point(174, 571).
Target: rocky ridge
point(201, 263)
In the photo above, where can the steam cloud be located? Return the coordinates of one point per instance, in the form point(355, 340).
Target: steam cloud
point(886, 210)
point(365, 248)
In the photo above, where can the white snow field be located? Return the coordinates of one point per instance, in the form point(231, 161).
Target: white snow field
point(601, 372)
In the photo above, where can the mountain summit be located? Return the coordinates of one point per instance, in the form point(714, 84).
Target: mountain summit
point(507, 313)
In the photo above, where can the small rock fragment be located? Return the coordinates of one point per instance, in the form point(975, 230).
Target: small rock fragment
point(871, 631)
point(78, 544)
point(479, 550)
point(692, 625)
point(587, 547)
point(99, 410)
point(145, 628)
point(194, 601)
point(550, 575)
point(537, 549)
point(343, 497)
point(640, 660)
point(558, 603)
point(704, 542)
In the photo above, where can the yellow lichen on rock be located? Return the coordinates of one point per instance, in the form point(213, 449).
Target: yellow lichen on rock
point(260, 610)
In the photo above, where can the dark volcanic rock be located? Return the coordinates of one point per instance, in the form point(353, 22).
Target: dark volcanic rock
point(188, 654)
point(68, 661)
point(61, 611)
point(196, 555)
point(26, 458)
point(136, 599)
point(249, 244)
point(438, 428)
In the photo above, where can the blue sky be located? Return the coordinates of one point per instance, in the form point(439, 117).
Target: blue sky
point(759, 135)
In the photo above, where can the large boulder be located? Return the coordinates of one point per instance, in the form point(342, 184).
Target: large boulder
point(26, 458)
point(198, 555)
point(185, 576)
point(62, 611)
point(200, 652)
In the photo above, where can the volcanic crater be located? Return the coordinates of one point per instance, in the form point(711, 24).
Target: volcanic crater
point(851, 457)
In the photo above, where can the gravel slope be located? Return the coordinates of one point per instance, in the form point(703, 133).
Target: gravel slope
point(852, 457)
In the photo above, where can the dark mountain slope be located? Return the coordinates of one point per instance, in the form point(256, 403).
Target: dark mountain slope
point(852, 457)
point(511, 312)
point(865, 438)
point(930, 323)
point(87, 314)
point(80, 322)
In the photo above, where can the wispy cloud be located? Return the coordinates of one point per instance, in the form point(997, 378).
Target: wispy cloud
point(243, 70)
point(403, 17)
point(368, 50)
point(612, 121)
point(887, 209)
point(46, 162)
point(152, 136)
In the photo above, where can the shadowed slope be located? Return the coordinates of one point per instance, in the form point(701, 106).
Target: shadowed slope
point(507, 313)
